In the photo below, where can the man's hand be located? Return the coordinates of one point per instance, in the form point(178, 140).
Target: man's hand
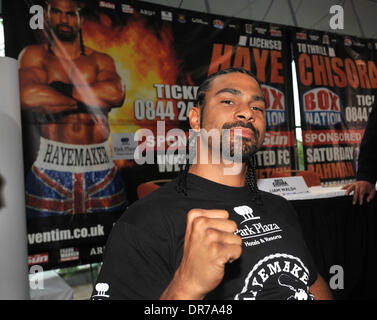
point(360, 189)
point(209, 244)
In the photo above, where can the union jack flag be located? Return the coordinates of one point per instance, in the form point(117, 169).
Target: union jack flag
point(50, 192)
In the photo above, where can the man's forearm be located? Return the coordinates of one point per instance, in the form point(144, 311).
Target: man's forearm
point(44, 98)
point(179, 291)
point(320, 289)
point(102, 94)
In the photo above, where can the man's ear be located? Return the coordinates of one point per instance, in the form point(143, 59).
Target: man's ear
point(194, 118)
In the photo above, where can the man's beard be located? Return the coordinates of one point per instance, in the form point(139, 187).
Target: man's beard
point(65, 36)
point(238, 149)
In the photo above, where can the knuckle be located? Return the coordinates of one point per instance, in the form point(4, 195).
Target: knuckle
point(238, 240)
point(191, 214)
point(232, 225)
point(226, 214)
point(238, 251)
point(199, 222)
point(214, 248)
point(212, 235)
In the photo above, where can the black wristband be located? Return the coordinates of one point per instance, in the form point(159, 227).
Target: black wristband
point(64, 88)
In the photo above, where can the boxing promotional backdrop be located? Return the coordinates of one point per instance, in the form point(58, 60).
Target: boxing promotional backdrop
point(337, 84)
point(133, 80)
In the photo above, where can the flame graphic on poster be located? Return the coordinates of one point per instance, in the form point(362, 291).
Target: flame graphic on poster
point(143, 58)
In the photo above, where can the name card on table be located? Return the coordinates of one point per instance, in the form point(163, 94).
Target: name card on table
point(284, 185)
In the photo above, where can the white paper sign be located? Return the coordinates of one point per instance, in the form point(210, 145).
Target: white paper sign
point(123, 145)
point(284, 185)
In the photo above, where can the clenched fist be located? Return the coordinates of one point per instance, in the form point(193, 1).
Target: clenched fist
point(209, 244)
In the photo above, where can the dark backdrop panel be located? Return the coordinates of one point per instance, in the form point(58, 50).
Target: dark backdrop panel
point(339, 233)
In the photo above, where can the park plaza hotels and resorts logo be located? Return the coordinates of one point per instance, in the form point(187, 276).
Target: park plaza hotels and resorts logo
point(251, 229)
point(322, 107)
point(101, 289)
point(274, 270)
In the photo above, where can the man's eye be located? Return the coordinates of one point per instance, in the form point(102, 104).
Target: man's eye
point(256, 108)
point(227, 101)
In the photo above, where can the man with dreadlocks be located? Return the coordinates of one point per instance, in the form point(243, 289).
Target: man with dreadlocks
point(67, 91)
point(211, 234)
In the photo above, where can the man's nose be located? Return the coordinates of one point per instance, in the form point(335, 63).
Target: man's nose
point(64, 18)
point(245, 113)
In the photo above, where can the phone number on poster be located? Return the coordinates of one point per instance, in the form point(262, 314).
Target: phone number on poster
point(149, 110)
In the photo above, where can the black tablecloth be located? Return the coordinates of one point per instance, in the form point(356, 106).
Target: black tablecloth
point(339, 233)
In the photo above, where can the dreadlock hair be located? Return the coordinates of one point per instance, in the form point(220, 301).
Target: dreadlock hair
point(82, 47)
point(184, 168)
point(250, 177)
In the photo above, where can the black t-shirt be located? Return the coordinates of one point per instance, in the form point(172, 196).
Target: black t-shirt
point(367, 161)
point(145, 247)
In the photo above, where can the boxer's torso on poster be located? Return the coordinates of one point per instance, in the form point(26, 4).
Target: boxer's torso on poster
point(75, 128)
point(69, 97)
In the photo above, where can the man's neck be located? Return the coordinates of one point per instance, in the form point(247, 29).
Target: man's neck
point(67, 50)
point(214, 167)
point(233, 176)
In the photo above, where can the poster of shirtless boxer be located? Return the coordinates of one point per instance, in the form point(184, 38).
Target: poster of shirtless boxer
point(70, 88)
